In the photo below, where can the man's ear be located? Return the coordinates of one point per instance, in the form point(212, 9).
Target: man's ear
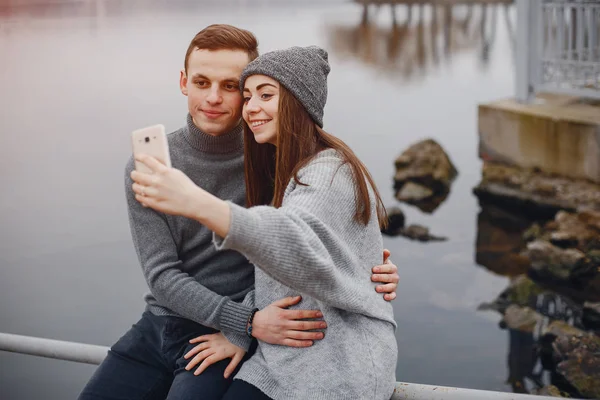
point(183, 82)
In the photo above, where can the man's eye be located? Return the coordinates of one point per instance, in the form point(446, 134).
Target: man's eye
point(230, 87)
point(201, 83)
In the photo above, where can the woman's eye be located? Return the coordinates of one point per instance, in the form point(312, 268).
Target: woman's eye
point(266, 96)
point(246, 99)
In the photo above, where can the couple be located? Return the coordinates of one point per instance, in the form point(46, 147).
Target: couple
point(312, 228)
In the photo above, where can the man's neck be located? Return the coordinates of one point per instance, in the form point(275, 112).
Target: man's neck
point(226, 131)
point(227, 142)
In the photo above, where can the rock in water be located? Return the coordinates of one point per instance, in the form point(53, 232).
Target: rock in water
point(420, 233)
point(591, 218)
point(413, 193)
point(523, 319)
point(576, 354)
point(561, 329)
point(424, 173)
point(591, 315)
point(537, 193)
point(551, 391)
point(581, 362)
point(396, 222)
point(553, 261)
point(521, 292)
point(565, 254)
point(578, 230)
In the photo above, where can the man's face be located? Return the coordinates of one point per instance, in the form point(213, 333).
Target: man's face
point(212, 88)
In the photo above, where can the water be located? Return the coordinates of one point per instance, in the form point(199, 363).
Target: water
point(77, 77)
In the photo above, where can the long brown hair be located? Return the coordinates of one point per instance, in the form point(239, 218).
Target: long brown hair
point(269, 168)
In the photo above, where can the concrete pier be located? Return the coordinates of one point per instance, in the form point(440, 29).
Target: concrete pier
point(558, 134)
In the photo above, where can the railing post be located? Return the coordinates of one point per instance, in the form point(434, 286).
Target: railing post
point(528, 48)
point(523, 87)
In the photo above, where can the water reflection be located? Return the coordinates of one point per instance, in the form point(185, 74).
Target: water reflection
point(531, 364)
point(500, 240)
point(113, 68)
point(537, 313)
point(522, 358)
point(92, 14)
point(421, 37)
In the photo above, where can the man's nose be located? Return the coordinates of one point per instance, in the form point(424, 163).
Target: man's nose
point(214, 97)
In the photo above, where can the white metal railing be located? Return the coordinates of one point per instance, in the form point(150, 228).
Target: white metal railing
point(92, 354)
point(558, 48)
point(49, 348)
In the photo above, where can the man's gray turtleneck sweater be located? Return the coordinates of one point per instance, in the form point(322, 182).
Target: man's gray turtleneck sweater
point(186, 275)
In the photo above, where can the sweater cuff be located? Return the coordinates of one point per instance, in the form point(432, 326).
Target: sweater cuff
point(243, 227)
point(234, 317)
point(240, 340)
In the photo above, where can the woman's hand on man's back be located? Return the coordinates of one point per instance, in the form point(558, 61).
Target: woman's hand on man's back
point(386, 273)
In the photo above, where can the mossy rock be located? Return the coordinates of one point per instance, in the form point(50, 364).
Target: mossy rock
point(594, 256)
point(551, 391)
point(523, 290)
point(581, 362)
point(583, 372)
point(533, 233)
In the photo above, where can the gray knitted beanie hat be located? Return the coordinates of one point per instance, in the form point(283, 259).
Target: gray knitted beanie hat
point(302, 70)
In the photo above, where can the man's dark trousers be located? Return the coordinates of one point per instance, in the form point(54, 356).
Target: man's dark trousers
point(147, 363)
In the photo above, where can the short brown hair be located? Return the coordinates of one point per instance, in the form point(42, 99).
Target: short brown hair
point(223, 37)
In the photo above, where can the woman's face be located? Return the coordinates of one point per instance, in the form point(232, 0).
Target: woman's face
point(261, 105)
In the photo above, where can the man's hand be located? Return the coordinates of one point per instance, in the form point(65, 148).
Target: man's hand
point(386, 273)
point(212, 349)
point(276, 325)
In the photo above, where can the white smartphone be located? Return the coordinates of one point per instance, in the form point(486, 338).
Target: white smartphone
point(152, 141)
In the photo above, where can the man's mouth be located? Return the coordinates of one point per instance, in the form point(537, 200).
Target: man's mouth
point(212, 114)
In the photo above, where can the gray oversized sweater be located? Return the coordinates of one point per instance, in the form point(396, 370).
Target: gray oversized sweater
point(312, 246)
point(186, 275)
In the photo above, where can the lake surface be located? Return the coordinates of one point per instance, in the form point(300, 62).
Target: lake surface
point(76, 77)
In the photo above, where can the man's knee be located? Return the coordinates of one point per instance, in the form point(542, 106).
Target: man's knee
point(211, 384)
point(119, 378)
point(132, 369)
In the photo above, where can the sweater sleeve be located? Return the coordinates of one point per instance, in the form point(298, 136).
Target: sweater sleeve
point(242, 340)
point(161, 266)
point(298, 244)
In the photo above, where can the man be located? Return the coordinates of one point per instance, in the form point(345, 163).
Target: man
point(194, 289)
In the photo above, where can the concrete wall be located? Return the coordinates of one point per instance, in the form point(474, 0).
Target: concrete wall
point(558, 135)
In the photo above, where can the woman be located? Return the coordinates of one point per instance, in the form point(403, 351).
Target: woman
point(312, 227)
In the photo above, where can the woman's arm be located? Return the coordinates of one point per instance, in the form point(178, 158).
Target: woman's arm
point(170, 191)
point(309, 244)
point(294, 243)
